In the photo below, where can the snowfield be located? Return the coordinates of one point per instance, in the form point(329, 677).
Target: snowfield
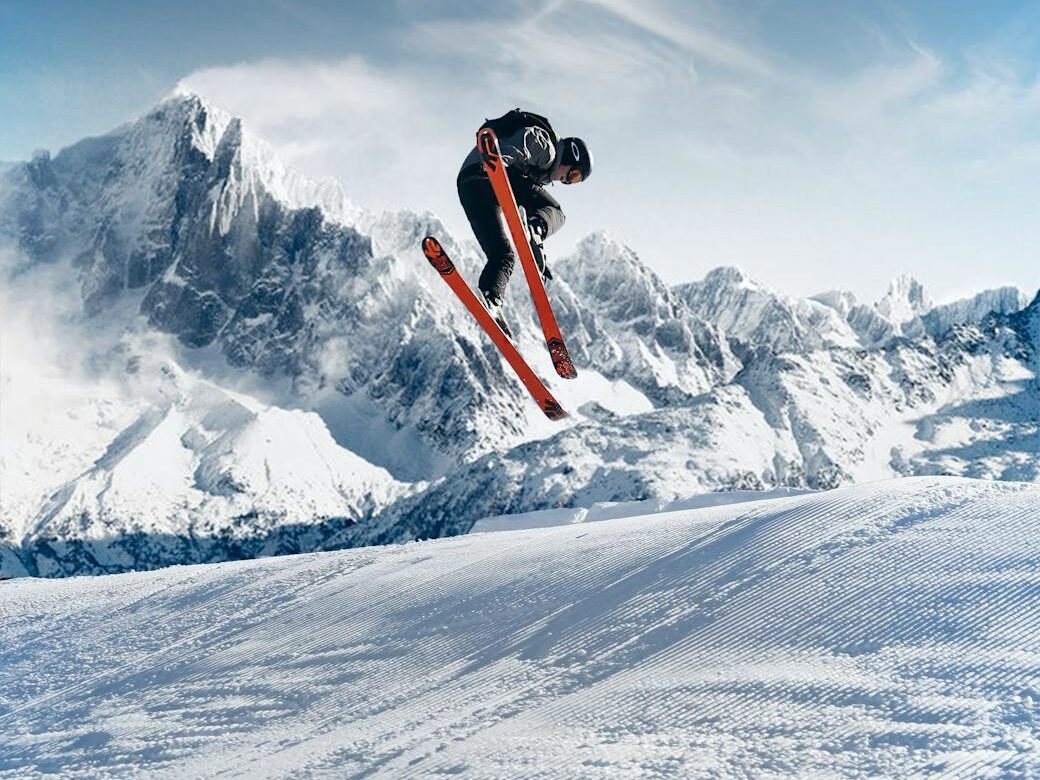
point(889, 629)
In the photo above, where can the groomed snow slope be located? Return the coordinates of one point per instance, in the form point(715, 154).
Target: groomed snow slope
point(890, 629)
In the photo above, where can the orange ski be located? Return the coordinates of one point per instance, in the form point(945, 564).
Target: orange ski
point(487, 144)
point(446, 268)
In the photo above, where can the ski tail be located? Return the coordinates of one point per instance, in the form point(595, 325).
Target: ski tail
point(446, 268)
point(487, 144)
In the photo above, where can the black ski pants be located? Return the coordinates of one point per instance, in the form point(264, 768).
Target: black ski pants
point(482, 210)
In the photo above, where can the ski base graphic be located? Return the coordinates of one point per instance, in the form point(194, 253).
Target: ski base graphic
point(446, 268)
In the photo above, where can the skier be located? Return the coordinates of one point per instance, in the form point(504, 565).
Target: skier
point(533, 157)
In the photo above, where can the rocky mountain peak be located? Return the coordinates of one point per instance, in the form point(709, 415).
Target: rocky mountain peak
point(728, 275)
point(906, 298)
point(610, 273)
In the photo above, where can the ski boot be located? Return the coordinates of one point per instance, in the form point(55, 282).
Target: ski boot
point(537, 231)
point(493, 303)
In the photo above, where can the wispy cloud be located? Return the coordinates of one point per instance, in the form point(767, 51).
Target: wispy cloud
point(556, 59)
point(278, 90)
point(655, 19)
point(368, 127)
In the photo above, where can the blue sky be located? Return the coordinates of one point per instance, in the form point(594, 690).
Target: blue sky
point(815, 144)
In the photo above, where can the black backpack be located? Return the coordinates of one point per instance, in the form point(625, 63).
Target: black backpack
point(511, 121)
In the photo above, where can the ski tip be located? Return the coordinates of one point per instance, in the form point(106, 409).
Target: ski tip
point(437, 256)
point(566, 369)
point(561, 359)
point(552, 409)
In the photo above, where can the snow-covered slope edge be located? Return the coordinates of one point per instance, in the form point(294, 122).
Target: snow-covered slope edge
point(612, 510)
point(889, 629)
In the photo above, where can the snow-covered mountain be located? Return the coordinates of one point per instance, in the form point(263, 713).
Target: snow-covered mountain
point(818, 420)
point(750, 312)
point(226, 248)
point(237, 477)
point(313, 345)
point(621, 319)
point(889, 629)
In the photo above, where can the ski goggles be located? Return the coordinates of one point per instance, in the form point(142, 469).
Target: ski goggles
point(573, 176)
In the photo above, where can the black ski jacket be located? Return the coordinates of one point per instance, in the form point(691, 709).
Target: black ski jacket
point(529, 151)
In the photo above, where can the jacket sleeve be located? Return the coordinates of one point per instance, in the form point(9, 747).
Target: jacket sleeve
point(530, 152)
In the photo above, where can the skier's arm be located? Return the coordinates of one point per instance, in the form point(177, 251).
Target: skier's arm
point(529, 151)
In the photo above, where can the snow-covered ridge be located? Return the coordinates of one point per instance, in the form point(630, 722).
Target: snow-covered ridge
point(888, 628)
point(999, 301)
point(753, 313)
point(149, 146)
point(756, 315)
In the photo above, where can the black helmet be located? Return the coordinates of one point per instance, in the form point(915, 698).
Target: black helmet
point(577, 155)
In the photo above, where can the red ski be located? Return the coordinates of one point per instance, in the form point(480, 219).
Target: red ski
point(487, 144)
point(446, 268)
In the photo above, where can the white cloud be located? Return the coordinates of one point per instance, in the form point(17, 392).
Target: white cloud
point(373, 129)
point(278, 92)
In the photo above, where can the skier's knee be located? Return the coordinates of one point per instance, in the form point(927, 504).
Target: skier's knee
point(553, 218)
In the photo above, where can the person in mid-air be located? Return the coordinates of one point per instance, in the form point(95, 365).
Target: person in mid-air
point(534, 157)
